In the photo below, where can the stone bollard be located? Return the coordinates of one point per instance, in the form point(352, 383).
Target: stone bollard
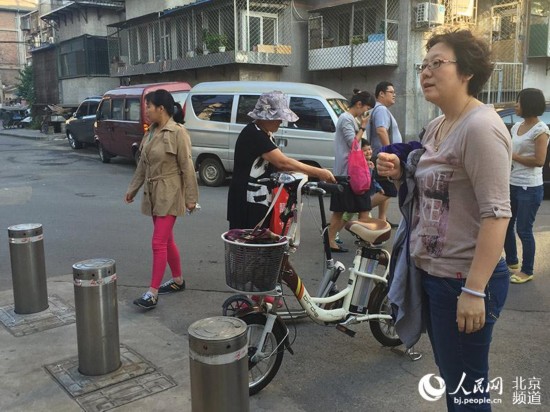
point(96, 310)
point(28, 268)
point(218, 357)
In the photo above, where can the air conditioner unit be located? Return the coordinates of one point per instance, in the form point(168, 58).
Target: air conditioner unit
point(430, 14)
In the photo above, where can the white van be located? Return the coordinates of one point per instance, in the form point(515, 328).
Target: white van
point(216, 112)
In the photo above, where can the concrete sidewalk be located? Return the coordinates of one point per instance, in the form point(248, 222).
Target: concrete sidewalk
point(31, 134)
point(155, 362)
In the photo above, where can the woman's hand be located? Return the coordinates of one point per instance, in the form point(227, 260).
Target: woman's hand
point(470, 313)
point(388, 164)
point(190, 206)
point(128, 198)
point(326, 176)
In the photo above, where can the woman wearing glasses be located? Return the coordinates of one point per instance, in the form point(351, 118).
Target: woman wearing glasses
point(462, 210)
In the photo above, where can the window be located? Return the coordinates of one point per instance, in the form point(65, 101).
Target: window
point(312, 114)
point(83, 56)
point(93, 108)
point(245, 106)
point(214, 108)
point(104, 111)
point(82, 110)
point(338, 105)
point(118, 112)
point(132, 109)
point(166, 39)
point(258, 28)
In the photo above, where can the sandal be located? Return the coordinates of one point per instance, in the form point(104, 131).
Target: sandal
point(517, 279)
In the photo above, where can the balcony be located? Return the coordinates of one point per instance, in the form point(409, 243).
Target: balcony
point(202, 34)
point(358, 34)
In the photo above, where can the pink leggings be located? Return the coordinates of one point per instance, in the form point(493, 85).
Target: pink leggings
point(164, 249)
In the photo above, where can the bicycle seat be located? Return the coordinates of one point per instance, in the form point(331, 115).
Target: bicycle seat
point(375, 231)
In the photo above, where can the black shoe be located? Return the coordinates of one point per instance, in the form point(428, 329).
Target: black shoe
point(171, 286)
point(339, 249)
point(147, 301)
point(393, 225)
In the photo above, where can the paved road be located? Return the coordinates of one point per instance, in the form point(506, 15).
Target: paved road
point(79, 202)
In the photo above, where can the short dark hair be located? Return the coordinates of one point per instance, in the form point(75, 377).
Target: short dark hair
point(532, 102)
point(161, 97)
point(382, 87)
point(363, 97)
point(364, 142)
point(473, 56)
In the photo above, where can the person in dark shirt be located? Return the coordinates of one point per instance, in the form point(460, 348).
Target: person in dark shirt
point(256, 157)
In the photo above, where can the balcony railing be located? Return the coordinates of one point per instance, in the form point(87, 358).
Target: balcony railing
point(203, 34)
point(358, 34)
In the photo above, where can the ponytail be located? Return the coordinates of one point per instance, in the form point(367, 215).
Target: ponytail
point(178, 113)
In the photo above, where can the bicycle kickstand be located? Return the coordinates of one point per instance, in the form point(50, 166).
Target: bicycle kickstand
point(411, 353)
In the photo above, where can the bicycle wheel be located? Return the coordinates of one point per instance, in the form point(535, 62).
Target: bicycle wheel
point(384, 329)
point(235, 303)
point(262, 372)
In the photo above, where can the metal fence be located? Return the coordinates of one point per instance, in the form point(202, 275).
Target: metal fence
point(539, 29)
point(504, 27)
point(360, 34)
point(203, 34)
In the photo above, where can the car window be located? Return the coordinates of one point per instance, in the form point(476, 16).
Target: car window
point(338, 105)
point(82, 110)
point(246, 105)
point(104, 111)
point(117, 105)
point(132, 109)
point(312, 114)
point(545, 117)
point(214, 108)
point(93, 108)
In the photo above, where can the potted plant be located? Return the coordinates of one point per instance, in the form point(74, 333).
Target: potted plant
point(357, 39)
point(215, 41)
point(223, 42)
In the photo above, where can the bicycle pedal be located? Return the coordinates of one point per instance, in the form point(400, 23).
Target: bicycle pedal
point(345, 330)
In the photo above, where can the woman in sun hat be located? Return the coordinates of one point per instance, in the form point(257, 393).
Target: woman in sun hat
point(256, 157)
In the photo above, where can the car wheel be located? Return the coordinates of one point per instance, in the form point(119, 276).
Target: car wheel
point(104, 155)
point(211, 172)
point(75, 144)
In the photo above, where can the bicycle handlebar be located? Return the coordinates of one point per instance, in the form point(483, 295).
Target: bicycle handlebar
point(324, 186)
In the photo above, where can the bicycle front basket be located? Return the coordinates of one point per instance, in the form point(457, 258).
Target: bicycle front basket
point(253, 267)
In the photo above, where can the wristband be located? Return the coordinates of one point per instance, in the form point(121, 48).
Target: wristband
point(473, 292)
point(362, 128)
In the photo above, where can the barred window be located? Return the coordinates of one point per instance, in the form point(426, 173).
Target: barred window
point(83, 56)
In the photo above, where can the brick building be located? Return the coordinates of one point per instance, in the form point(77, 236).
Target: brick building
point(12, 48)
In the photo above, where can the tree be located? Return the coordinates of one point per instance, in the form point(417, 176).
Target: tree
point(25, 87)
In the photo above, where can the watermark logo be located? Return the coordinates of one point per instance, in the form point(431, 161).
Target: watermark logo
point(526, 391)
point(430, 392)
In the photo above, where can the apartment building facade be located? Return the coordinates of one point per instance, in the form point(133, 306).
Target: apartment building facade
point(342, 45)
point(12, 48)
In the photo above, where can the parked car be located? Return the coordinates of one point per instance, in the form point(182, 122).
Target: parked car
point(510, 118)
point(79, 128)
point(121, 120)
point(216, 112)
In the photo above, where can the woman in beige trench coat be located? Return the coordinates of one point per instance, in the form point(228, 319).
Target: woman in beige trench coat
point(167, 174)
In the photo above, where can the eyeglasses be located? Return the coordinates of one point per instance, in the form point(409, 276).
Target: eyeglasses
point(390, 91)
point(433, 65)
